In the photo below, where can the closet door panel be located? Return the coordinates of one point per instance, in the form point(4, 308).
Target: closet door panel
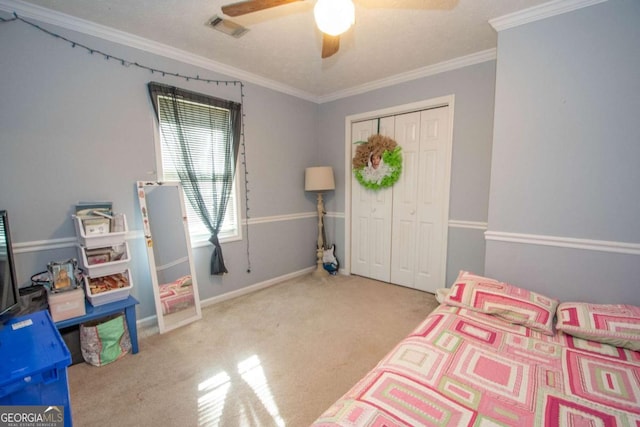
point(405, 194)
point(399, 233)
point(405, 233)
point(426, 204)
point(424, 253)
point(428, 178)
point(371, 214)
point(379, 250)
point(358, 256)
point(432, 210)
point(360, 209)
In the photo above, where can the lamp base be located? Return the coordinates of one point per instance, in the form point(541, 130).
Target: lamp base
point(320, 271)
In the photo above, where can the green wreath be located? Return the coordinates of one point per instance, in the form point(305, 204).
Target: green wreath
point(372, 173)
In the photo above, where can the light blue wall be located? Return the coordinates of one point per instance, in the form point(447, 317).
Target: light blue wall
point(75, 126)
point(78, 127)
point(566, 150)
point(473, 88)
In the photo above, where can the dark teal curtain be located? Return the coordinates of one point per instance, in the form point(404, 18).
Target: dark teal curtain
point(176, 106)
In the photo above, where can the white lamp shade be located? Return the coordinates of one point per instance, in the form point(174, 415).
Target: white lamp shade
point(319, 178)
point(334, 17)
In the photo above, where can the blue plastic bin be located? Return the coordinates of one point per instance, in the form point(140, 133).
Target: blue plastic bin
point(33, 364)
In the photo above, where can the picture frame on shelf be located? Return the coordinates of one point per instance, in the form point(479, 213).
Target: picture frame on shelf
point(98, 256)
point(95, 226)
point(62, 274)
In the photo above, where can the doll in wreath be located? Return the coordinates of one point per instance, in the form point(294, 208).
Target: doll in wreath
point(329, 260)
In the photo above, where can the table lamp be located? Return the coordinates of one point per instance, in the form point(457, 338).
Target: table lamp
point(319, 179)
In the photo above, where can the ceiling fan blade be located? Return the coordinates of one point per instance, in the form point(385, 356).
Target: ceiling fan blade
point(330, 45)
point(248, 6)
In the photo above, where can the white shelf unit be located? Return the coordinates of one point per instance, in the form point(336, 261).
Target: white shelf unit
point(121, 266)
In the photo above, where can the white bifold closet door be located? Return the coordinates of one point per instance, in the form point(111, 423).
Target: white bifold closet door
point(371, 211)
point(398, 234)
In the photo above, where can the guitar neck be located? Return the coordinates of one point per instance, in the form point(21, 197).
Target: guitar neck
point(324, 235)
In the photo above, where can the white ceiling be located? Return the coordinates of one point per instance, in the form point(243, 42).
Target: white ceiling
point(390, 37)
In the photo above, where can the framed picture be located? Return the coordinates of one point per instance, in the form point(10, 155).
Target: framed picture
point(93, 226)
point(98, 256)
point(63, 275)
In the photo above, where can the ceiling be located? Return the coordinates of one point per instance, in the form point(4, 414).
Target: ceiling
point(283, 45)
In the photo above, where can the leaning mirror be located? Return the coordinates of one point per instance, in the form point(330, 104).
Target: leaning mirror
point(166, 233)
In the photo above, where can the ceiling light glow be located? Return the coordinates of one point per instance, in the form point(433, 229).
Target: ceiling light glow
point(334, 17)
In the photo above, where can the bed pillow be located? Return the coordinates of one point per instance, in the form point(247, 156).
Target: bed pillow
point(614, 324)
point(511, 303)
point(184, 281)
point(441, 294)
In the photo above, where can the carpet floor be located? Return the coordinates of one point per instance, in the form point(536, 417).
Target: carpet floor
point(276, 357)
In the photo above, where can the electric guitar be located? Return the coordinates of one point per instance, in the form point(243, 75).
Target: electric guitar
point(328, 254)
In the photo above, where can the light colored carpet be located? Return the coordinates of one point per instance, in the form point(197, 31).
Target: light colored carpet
point(276, 357)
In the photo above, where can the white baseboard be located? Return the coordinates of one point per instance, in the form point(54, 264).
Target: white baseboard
point(253, 288)
point(149, 325)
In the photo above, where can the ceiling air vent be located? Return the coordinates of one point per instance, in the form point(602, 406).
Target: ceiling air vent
point(228, 27)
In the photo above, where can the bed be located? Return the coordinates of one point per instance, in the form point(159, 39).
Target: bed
point(177, 295)
point(493, 354)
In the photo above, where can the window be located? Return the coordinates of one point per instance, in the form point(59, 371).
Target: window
point(205, 126)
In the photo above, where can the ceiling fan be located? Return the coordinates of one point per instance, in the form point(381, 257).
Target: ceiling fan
point(333, 17)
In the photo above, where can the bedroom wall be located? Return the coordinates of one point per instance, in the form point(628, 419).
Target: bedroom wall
point(78, 127)
point(473, 88)
point(564, 204)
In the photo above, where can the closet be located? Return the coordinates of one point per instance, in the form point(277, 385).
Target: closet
point(399, 234)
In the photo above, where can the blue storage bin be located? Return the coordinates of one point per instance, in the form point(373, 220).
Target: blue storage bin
point(33, 364)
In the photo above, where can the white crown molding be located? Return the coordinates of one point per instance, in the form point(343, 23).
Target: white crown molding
point(565, 242)
point(453, 64)
point(475, 225)
point(536, 13)
point(48, 16)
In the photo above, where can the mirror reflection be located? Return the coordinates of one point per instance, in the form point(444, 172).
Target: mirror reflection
point(169, 252)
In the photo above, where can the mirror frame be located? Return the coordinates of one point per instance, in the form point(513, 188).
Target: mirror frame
point(153, 269)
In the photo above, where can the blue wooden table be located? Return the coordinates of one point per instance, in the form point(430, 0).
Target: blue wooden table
point(128, 306)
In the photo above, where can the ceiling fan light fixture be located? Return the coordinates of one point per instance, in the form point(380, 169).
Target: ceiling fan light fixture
point(334, 17)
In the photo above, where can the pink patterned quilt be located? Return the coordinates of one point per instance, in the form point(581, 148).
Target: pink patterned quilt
point(462, 368)
point(176, 296)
